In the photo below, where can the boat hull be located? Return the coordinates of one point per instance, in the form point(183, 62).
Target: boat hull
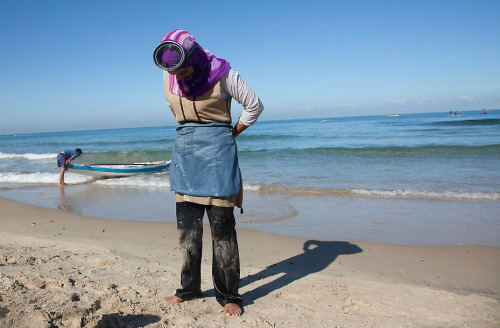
point(118, 170)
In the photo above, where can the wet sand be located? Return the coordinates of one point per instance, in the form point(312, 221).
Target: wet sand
point(65, 270)
point(401, 221)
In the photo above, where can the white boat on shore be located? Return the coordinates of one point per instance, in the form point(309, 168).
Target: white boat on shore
point(113, 170)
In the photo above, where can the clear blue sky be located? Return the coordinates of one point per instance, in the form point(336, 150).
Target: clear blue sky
point(76, 65)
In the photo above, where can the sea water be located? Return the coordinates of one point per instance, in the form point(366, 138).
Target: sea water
point(428, 178)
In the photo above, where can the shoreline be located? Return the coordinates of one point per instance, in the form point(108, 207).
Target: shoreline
point(329, 217)
point(74, 271)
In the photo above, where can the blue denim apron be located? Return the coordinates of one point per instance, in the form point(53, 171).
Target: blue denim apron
point(205, 161)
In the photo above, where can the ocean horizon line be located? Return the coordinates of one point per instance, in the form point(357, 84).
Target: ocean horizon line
point(260, 121)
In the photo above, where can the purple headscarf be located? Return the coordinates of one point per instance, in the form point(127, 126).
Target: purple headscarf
point(208, 69)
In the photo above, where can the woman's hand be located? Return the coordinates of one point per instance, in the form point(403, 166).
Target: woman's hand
point(238, 128)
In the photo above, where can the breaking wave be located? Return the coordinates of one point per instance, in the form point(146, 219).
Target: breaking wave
point(359, 192)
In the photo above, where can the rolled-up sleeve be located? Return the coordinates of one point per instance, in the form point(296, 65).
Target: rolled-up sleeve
point(237, 88)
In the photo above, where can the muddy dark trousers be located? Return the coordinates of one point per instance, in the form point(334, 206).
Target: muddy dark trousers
point(225, 262)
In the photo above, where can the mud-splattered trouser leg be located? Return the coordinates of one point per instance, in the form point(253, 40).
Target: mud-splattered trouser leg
point(190, 226)
point(226, 259)
point(225, 263)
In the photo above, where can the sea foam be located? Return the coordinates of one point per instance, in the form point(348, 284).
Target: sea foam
point(28, 156)
point(39, 178)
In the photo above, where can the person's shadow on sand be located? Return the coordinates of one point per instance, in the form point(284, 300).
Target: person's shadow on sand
point(115, 320)
point(317, 256)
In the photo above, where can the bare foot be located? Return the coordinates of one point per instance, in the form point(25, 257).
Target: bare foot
point(232, 310)
point(173, 299)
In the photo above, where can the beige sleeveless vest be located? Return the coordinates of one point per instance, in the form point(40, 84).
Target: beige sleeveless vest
point(209, 107)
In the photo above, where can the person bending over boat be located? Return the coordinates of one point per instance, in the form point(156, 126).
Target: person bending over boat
point(204, 171)
point(64, 158)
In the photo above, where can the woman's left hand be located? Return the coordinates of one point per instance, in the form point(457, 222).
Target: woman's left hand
point(238, 128)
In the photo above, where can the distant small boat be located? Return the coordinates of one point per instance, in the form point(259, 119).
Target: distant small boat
point(111, 170)
point(455, 114)
point(394, 115)
point(484, 111)
point(323, 121)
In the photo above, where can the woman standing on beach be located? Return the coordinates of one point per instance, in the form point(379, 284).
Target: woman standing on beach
point(204, 172)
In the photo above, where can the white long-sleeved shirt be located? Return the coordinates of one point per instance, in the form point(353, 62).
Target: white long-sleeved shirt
point(234, 86)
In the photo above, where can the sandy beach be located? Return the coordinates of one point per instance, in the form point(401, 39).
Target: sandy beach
point(59, 269)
